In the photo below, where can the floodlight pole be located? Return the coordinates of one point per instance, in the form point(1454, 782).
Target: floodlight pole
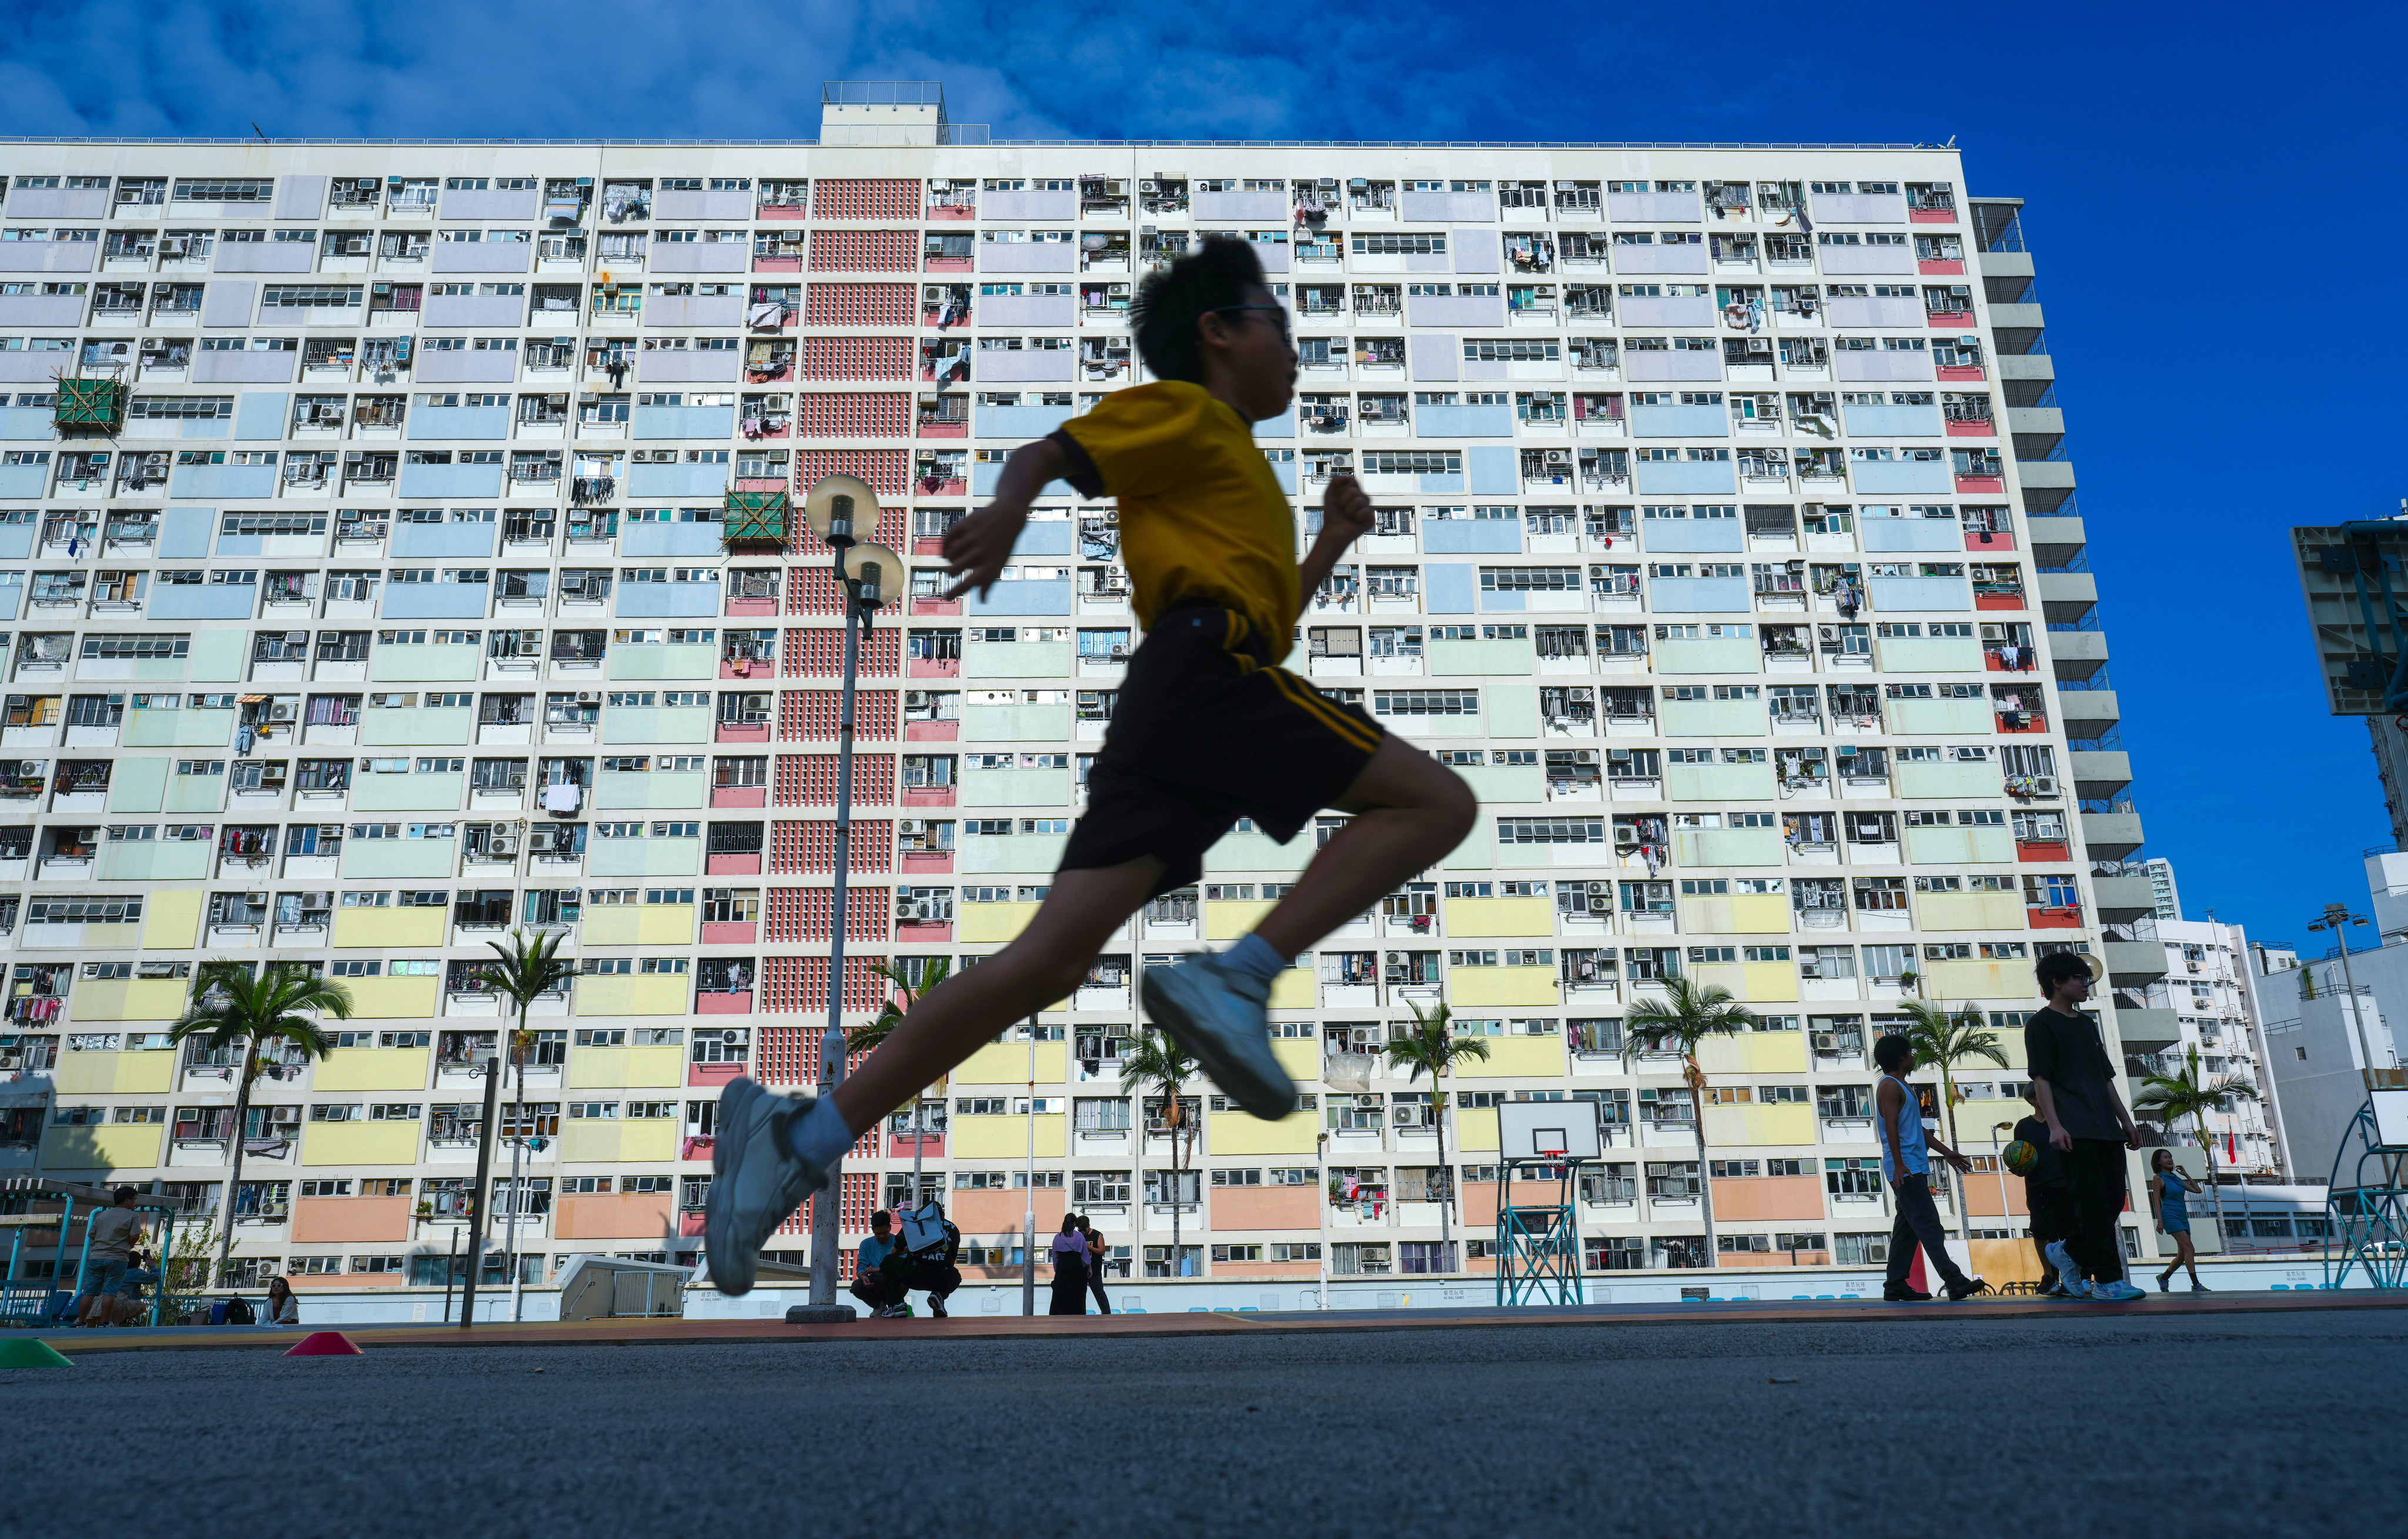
point(825, 1216)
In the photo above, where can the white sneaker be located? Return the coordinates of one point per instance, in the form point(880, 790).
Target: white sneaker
point(1222, 1018)
point(756, 1181)
point(2116, 1293)
point(2069, 1276)
point(2075, 1288)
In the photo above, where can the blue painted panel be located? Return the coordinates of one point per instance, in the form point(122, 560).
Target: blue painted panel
point(1285, 473)
point(1018, 422)
point(1911, 477)
point(1894, 594)
point(201, 601)
point(201, 427)
point(985, 473)
point(12, 597)
point(1465, 422)
point(1048, 536)
point(667, 601)
point(22, 424)
point(675, 480)
point(1912, 534)
point(1682, 477)
point(1504, 603)
point(462, 422)
point(650, 539)
point(16, 539)
point(1708, 535)
point(1442, 482)
point(1892, 422)
point(683, 422)
point(1450, 587)
point(1278, 427)
point(223, 482)
point(439, 542)
point(1680, 421)
point(1699, 595)
point(434, 601)
point(1472, 536)
point(23, 480)
point(1493, 468)
point(258, 415)
point(450, 480)
point(186, 531)
point(1051, 595)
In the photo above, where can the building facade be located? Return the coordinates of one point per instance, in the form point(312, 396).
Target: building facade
point(433, 578)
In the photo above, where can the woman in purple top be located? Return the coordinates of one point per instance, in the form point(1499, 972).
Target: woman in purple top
point(1070, 1270)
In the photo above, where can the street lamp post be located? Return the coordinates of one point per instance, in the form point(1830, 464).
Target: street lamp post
point(2337, 918)
point(867, 575)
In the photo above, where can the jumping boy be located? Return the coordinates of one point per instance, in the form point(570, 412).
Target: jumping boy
point(1209, 730)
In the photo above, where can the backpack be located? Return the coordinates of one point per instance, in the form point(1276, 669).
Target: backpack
point(238, 1312)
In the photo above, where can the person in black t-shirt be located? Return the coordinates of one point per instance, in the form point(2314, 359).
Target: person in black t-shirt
point(2073, 1087)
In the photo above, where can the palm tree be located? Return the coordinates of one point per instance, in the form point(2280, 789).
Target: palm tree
point(1431, 1047)
point(1158, 1063)
point(1945, 1038)
point(864, 1038)
point(2168, 1099)
point(232, 1005)
point(1686, 1015)
point(528, 966)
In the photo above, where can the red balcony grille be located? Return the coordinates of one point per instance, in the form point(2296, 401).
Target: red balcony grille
point(887, 470)
point(865, 251)
point(817, 652)
point(793, 985)
point(812, 590)
point(853, 415)
point(863, 304)
point(798, 848)
point(810, 715)
point(788, 1054)
point(866, 197)
point(868, 911)
point(808, 780)
point(856, 357)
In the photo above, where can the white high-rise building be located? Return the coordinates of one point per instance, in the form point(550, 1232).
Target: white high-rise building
point(2162, 889)
point(397, 542)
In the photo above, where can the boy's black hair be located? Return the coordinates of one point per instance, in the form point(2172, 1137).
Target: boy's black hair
point(1215, 275)
point(2056, 968)
point(1891, 1050)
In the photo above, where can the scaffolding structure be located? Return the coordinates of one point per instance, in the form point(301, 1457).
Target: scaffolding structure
point(2366, 1201)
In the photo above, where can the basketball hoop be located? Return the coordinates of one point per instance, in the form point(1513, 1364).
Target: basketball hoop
point(1551, 1157)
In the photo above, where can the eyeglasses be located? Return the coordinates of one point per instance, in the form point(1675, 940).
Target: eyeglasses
point(1280, 311)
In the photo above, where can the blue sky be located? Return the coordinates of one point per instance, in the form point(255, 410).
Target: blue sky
point(2165, 156)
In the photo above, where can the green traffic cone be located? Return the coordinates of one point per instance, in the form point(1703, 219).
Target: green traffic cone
point(31, 1352)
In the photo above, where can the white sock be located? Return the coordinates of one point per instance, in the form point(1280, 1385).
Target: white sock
point(819, 1136)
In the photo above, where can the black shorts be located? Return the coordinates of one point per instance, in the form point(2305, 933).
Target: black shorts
point(1207, 731)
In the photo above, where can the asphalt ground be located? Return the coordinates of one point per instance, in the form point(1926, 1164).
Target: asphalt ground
point(2061, 1425)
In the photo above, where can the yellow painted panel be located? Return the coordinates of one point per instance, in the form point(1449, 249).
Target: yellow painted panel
point(630, 925)
point(625, 1067)
point(115, 937)
point(1300, 1055)
point(1469, 987)
point(361, 1143)
point(1747, 913)
point(1475, 1128)
point(384, 929)
point(633, 994)
point(1294, 989)
point(171, 921)
point(117, 1146)
point(605, 1141)
point(146, 1074)
point(1760, 1126)
point(1769, 983)
point(1970, 910)
point(1007, 1137)
point(1974, 979)
point(128, 999)
point(1230, 918)
point(1237, 1133)
point(1753, 1052)
point(1006, 1063)
point(372, 1068)
point(1525, 1057)
point(994, 922)
point(411, 998)
point(1469, 916)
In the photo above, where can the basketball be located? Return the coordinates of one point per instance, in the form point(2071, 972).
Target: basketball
point(2021, 1155)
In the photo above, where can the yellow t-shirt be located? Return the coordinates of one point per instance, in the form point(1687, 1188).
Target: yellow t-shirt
point(1202, 515)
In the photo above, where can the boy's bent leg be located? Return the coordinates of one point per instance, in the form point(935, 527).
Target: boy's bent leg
point(770, 1151)
point(1410, 813)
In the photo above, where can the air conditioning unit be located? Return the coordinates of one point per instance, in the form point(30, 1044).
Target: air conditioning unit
point(1554, 456)
point(1600, 903)
point(589, 696)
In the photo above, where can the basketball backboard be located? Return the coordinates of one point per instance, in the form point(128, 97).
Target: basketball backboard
point(1539, 1129)
point(2390, 1118)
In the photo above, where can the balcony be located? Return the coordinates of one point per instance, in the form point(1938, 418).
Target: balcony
point(2133, 964)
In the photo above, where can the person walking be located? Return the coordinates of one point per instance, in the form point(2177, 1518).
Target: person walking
point(109, 1242)
point(2170, 1192)
point(1906, 1165)
point(1070, 1268)
point(1095, 1250)
point(2047, 1200)
point(2073, 1087)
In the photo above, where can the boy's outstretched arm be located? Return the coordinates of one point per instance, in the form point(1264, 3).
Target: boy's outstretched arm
point(978, 546)
point(1345, 518)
